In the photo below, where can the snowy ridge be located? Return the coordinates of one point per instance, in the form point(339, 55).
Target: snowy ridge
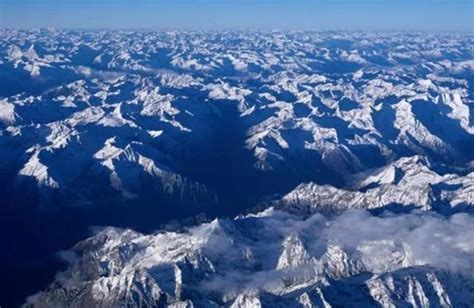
point(408, 182)
point(275, 258)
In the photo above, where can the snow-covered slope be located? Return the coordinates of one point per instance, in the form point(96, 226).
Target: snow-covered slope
point(275, 259)
point(408, 182)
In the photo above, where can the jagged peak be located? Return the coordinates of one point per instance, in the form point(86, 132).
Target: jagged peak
point(294, 253)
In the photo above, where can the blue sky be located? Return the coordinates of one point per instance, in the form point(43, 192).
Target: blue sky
point(449, 15)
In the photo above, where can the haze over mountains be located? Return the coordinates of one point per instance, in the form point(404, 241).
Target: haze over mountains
point(340, 166)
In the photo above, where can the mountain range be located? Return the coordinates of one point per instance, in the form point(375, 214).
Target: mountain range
point(237, 168)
